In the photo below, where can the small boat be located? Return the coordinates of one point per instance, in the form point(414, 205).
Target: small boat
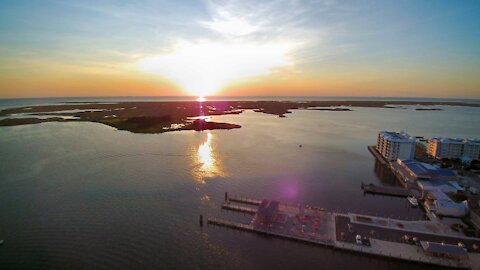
point(1, 242)
point(412, 200)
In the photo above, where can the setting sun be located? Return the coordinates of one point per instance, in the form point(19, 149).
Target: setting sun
point(203, 68)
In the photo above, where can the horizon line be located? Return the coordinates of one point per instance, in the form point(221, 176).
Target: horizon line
point(236, 96)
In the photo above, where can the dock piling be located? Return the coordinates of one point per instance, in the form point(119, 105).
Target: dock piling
point(201, 220)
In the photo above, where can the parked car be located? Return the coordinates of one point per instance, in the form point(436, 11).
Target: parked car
point(358, 239)
point(366, 241)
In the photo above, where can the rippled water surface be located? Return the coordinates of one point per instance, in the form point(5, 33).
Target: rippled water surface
point(86, 196)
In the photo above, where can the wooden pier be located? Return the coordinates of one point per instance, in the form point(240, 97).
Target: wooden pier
point(239, 199)
point(250, 228)
point(391, 191)
point(230, 224)
point(238, 208)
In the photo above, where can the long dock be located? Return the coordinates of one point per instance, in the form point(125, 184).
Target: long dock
point(238, 208)
point(230, 224)
point(391, 191)
point(239, 199)
point(244, 227)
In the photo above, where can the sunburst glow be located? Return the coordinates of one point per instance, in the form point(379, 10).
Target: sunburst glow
point(209, 164)
point(203, 68)
point(205, 155)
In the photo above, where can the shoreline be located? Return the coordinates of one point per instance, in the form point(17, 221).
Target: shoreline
point(165, 116)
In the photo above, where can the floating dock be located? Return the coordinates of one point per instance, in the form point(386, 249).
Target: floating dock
point(239, 199)
point(239, 208)
point(391, 191)
point(230, 224)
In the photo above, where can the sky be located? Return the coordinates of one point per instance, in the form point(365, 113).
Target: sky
point(54, 48)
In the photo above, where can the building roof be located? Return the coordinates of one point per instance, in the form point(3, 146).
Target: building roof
point(443, 248)
point(473, 141)
point(450, 208)
point(435, 186)
point(456, 185)
point(445, 172)
point(426, 170)
point(416, 167)
point(395, 136)
point(447, 140)
point(438, 195)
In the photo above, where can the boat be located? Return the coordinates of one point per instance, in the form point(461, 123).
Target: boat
point(412, 200)
point(1, 242)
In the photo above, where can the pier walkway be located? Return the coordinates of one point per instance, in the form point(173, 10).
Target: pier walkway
point(401, 252)
point(239, 199)
point(238, 208)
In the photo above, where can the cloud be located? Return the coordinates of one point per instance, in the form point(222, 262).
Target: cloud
point(250, 39)
point(228, 25)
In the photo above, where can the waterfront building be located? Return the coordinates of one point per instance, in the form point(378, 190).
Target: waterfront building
point(471, 150)
point(440, 204)
point(427, 177)
point(441, 148)
point(394, 145)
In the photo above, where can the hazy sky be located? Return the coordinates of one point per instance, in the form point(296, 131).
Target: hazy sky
point(325, 48)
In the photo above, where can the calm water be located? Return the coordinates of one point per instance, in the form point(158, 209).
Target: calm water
point(86, 196)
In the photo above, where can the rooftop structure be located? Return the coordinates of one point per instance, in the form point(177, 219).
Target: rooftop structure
point(444, 250)
point(439, 203)
point(436, 186)
point(413, 170)
point(267, 212)
point(394, 145)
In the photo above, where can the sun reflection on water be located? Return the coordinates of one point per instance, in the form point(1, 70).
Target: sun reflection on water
point(208, 163)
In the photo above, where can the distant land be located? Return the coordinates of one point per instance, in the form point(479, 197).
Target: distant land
point(159, 117)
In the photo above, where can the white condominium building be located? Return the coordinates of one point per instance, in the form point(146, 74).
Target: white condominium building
point(445, 148)
point(454, 148)
point(393, 145)
point(471, 150)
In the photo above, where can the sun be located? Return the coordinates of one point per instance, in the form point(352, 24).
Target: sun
point(204, 68)
point(201, 99)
